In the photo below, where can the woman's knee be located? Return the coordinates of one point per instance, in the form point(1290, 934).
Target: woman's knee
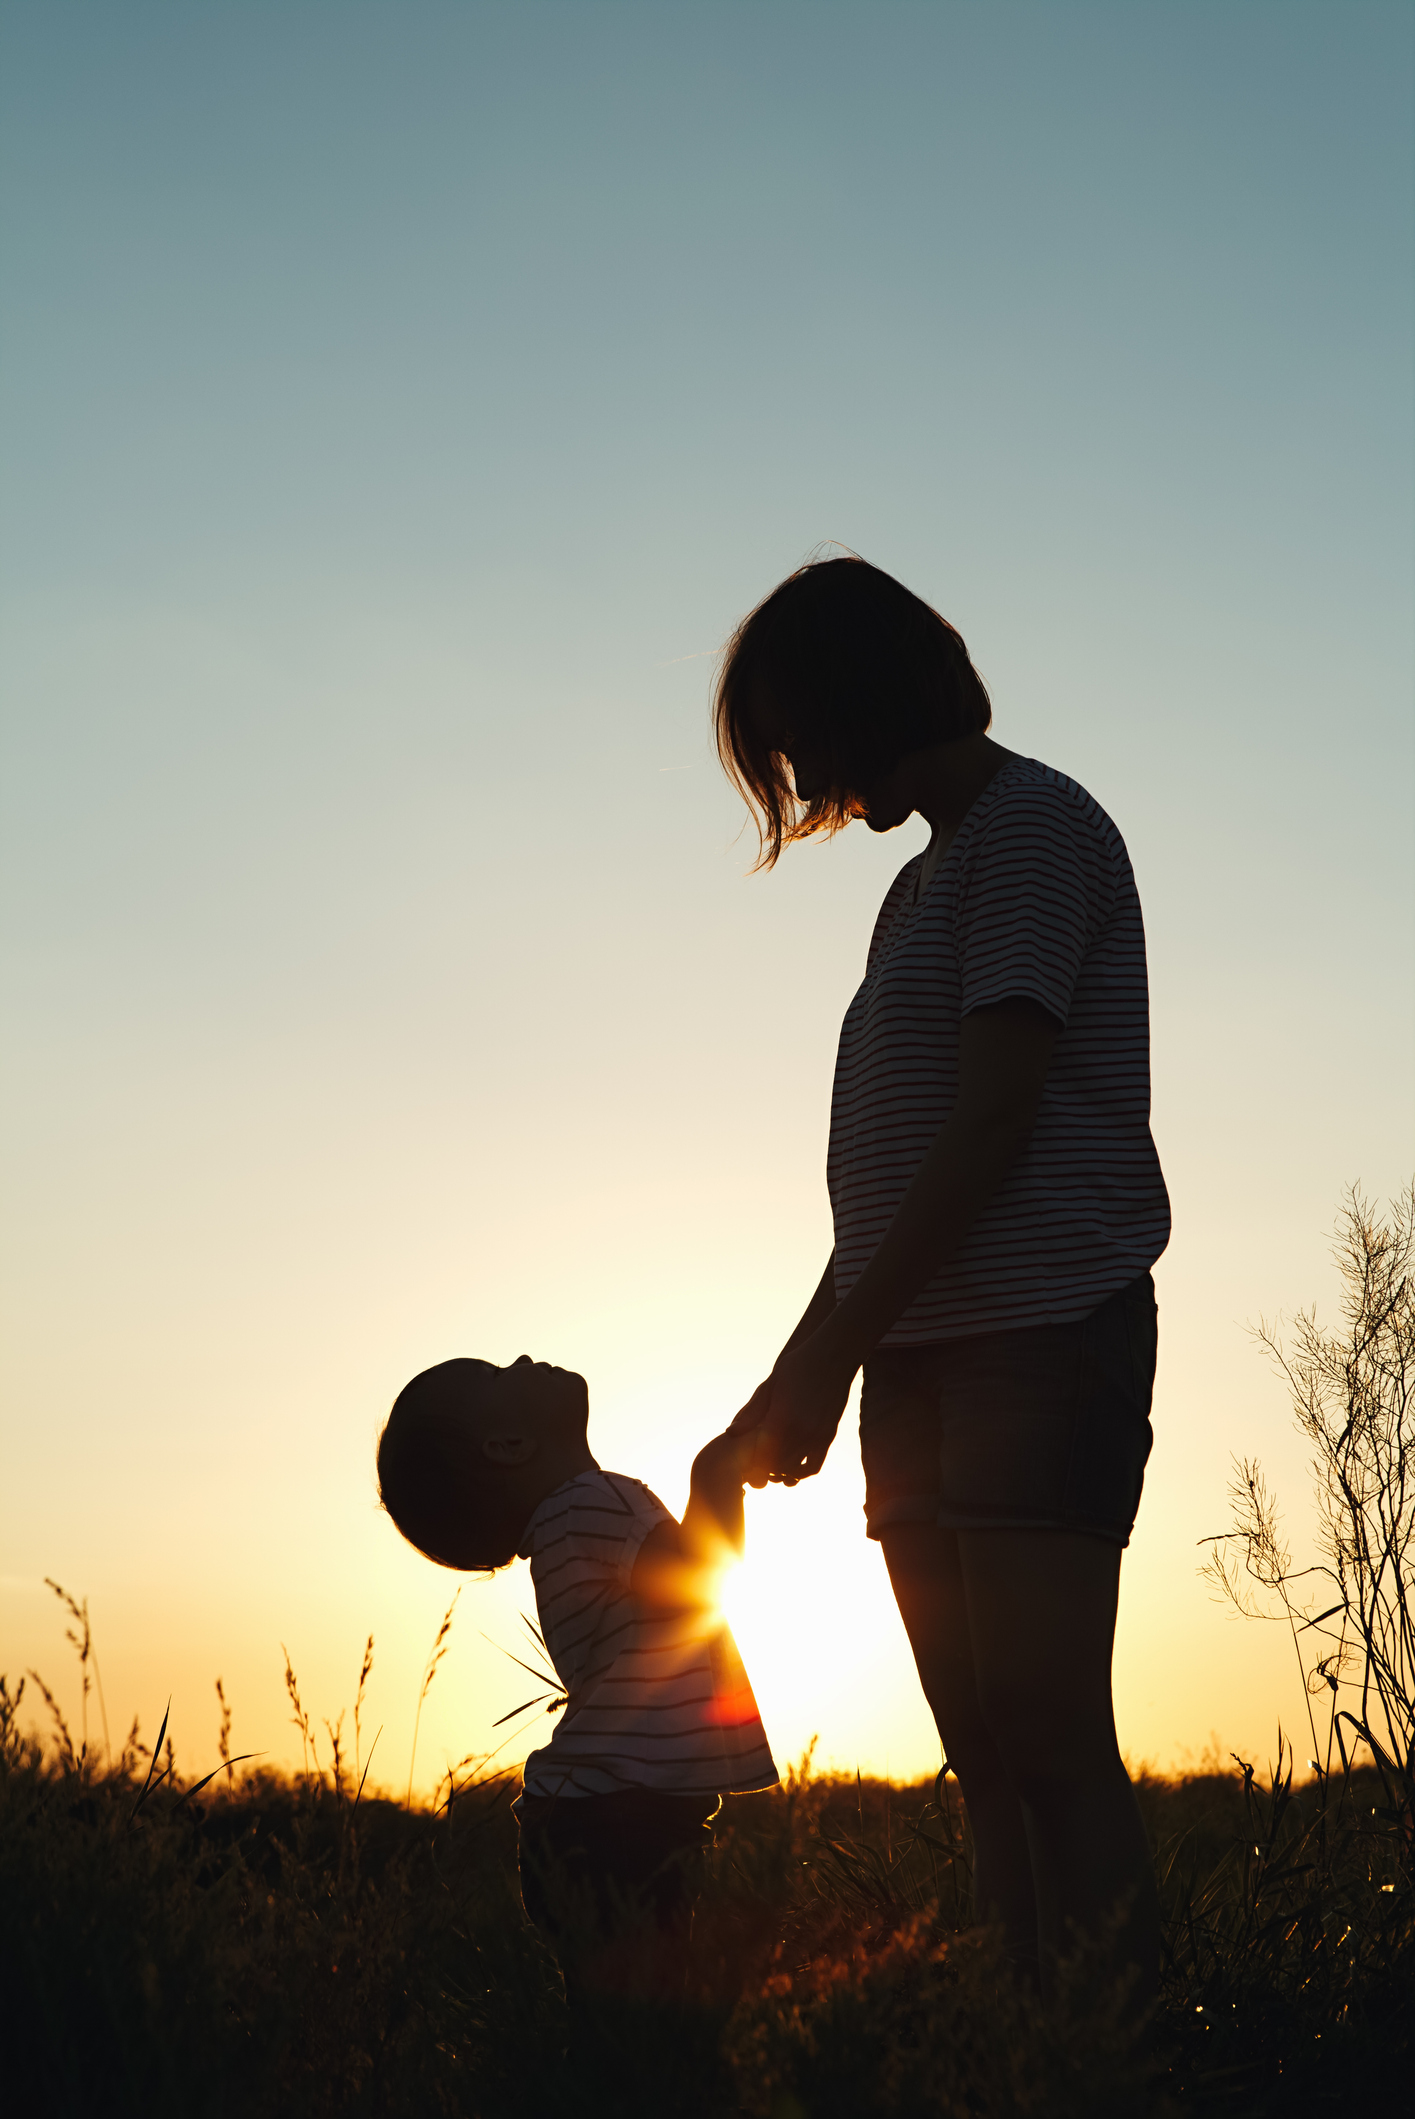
point(977, 1766)
point(1048, 1748)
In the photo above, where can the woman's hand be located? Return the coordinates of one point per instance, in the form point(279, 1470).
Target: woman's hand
point(797, 1410)
point(751, 1421)
point(757, 1416)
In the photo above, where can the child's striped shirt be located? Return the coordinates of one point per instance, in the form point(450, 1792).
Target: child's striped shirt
point(659, 1703)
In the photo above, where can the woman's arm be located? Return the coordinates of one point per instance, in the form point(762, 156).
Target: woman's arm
point(816, 1311)
point(1003, 1053)
point(754, 1412)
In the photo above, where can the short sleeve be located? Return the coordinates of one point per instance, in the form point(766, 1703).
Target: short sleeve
point(598, 1525)
point(1027, 904)
point(646, 1513)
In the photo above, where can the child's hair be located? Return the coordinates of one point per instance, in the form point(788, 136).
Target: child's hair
point(861, 665)
point(434, 1481)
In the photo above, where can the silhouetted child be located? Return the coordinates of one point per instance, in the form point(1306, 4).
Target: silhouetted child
point(479, 1464)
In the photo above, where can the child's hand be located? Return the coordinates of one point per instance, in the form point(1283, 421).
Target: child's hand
point(720, 1471)
point(727, 1459)
point(761, 1459)
point(679, 1565)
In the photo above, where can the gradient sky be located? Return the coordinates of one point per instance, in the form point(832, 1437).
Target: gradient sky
point(401, 404)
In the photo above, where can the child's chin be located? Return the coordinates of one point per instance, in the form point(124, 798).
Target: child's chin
point(577, 1392)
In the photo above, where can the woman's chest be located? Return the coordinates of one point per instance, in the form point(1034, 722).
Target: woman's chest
point(913, 977)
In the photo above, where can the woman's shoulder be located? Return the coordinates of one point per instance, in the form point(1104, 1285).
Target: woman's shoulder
point(1027, 797)
point(1025, 783)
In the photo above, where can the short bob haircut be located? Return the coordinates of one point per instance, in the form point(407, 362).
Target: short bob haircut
point(434, 1481)
point(856, 662)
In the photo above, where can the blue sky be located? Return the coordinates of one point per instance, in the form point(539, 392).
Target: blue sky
point(401, 404)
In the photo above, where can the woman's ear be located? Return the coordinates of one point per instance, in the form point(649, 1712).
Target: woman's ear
point(508, 1449)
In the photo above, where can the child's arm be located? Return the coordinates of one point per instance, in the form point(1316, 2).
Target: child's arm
point(678, 1564)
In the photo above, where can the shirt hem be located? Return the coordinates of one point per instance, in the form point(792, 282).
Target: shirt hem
point(753, 1784)
point(1028, 1314)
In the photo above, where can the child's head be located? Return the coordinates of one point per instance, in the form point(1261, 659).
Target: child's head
point(471, 1450)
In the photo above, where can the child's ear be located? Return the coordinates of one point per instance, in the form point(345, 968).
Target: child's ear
point(508, 1449)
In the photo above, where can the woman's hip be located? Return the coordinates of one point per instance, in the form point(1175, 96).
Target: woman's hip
point(1042, 1427)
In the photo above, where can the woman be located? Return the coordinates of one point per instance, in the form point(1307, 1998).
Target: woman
point(997, 1203)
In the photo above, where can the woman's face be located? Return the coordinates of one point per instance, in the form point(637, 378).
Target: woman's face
point(809, 762)
point(888, 801)
point(885, 803)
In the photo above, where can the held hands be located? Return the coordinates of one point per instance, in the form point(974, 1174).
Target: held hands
point(679, 1567)
point(795, 1413)
point(781, 1434)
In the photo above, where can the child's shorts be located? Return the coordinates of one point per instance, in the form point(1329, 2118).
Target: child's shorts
point(1043, 1428)
point(610, 1881)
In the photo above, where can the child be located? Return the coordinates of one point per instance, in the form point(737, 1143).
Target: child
point(480, 1464)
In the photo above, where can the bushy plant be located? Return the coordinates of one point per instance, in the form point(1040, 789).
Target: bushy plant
point(1353, 1398)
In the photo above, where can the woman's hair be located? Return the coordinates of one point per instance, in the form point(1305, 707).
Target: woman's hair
point(434, 1481)
point(855, 662)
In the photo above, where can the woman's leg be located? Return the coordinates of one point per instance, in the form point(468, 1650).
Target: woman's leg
point(926, 1574)
point(1041, 1621)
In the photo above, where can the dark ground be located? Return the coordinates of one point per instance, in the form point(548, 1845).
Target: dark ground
point(277, 1949)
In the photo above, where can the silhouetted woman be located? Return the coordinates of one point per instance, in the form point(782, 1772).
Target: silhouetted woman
point(998, 1204)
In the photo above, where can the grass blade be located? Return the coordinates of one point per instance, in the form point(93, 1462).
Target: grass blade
point(238, 1760)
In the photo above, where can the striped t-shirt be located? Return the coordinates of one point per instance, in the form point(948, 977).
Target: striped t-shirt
point(1034, 898)
point(654, 1702)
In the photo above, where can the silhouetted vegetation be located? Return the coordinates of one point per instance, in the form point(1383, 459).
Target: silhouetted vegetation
point(1351, 1395)
point(280, 1945)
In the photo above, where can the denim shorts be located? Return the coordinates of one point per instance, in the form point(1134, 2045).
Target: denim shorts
point(1046, 1427)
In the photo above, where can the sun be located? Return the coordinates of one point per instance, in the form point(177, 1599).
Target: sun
point(820, 1638)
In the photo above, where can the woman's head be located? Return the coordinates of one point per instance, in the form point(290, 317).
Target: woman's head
point(839, 674)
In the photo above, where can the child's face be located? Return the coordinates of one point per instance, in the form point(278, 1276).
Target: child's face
point(526, 1403)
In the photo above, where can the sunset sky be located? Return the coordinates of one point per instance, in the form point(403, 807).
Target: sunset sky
point(401, 405)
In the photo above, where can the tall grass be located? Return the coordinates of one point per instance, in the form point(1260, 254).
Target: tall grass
point(254, 1943)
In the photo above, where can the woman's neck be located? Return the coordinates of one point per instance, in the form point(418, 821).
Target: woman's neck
point(944, 782)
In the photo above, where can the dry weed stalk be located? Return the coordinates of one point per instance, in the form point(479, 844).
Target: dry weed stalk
point(365, 1670)
point(439, 1650)
point(300, 1719)
point(223, 1741)
point(1350, 1392)
point(82, 1644)
point(72, 1759)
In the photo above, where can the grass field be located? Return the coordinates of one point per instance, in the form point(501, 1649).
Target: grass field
point(264, 1944)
